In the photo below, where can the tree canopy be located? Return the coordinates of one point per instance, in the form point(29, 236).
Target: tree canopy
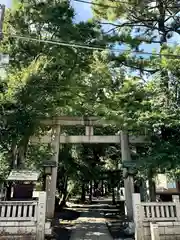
point(60, 67)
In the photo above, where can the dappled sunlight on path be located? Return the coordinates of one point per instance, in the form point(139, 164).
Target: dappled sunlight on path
point(91, 225)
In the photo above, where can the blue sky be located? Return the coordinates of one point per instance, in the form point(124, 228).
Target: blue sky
point(83, 13)
point(6, 2)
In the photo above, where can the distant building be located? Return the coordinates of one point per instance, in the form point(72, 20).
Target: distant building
point(166, 187)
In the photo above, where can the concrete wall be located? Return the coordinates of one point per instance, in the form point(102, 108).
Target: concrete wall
point(167, 231)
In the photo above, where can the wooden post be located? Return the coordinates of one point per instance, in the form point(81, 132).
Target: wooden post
point(53, 180)
point(41, 216)
point(154, 231)
point(128, 182)
point(138, 217)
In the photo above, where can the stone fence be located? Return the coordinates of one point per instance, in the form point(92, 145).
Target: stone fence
point(24, 219)
point(156, 220)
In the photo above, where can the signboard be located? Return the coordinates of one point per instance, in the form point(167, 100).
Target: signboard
point(128, 164)
point(49, 163)
point(23, 175)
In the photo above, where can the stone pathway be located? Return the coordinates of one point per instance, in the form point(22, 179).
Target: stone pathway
point(87, 222)
point(90, 226)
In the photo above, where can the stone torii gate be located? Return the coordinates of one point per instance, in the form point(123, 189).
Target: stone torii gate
point(55, 138)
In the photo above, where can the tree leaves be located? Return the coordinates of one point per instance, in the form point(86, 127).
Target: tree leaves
point(42, 79)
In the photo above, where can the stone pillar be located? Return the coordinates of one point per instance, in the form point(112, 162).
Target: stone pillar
point(154, 231)
point(128, 182)
point(175, 199)
point(138, 215)
point(118, 194)
point(41, 216)
point(48, 192)
point(51, 183)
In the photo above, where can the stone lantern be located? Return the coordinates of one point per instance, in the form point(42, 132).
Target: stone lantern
point(48, 166)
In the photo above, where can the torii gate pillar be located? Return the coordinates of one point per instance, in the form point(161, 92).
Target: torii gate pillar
point(89, 137)
point(52, 181)
point(128, 182)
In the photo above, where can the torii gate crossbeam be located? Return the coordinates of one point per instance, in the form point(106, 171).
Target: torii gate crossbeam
point(56, 139)
point(88, 139)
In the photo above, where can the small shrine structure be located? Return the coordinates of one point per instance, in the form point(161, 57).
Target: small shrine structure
point(23, 184)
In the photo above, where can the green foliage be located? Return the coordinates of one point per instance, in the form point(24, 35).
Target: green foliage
point(138, 22)
point(151, 100)
point(82, 163)
point(42, 80)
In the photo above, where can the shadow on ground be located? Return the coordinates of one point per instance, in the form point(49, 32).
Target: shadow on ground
point(62, 226)
point(119, 234)
point(88, 218)
point(116, 227)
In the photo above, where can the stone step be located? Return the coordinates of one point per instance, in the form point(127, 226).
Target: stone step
point(123, 238)
point(115, 224)
point(18, 237)
point(116, 227)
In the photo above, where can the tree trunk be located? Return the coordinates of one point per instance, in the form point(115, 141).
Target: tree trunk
point(13, 155)
point(102, 188)
point(143, 191)
point(23, 146)
point(22, 150)
point(83, 193)
point(13, 158)
point(44, 182)
point(63, 200)
point(95, 186)
point(152, 187)
point(90, 191)
point(64, 193)
point(106, 188)
point(163, 40)
point(8, 191)
point(152, 190)
point(109, 187)
point(118, 192)
point(113, 197)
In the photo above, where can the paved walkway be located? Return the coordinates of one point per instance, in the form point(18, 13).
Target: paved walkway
point(90, 226)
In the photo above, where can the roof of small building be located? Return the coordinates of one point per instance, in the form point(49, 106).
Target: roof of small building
point(23, 175)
